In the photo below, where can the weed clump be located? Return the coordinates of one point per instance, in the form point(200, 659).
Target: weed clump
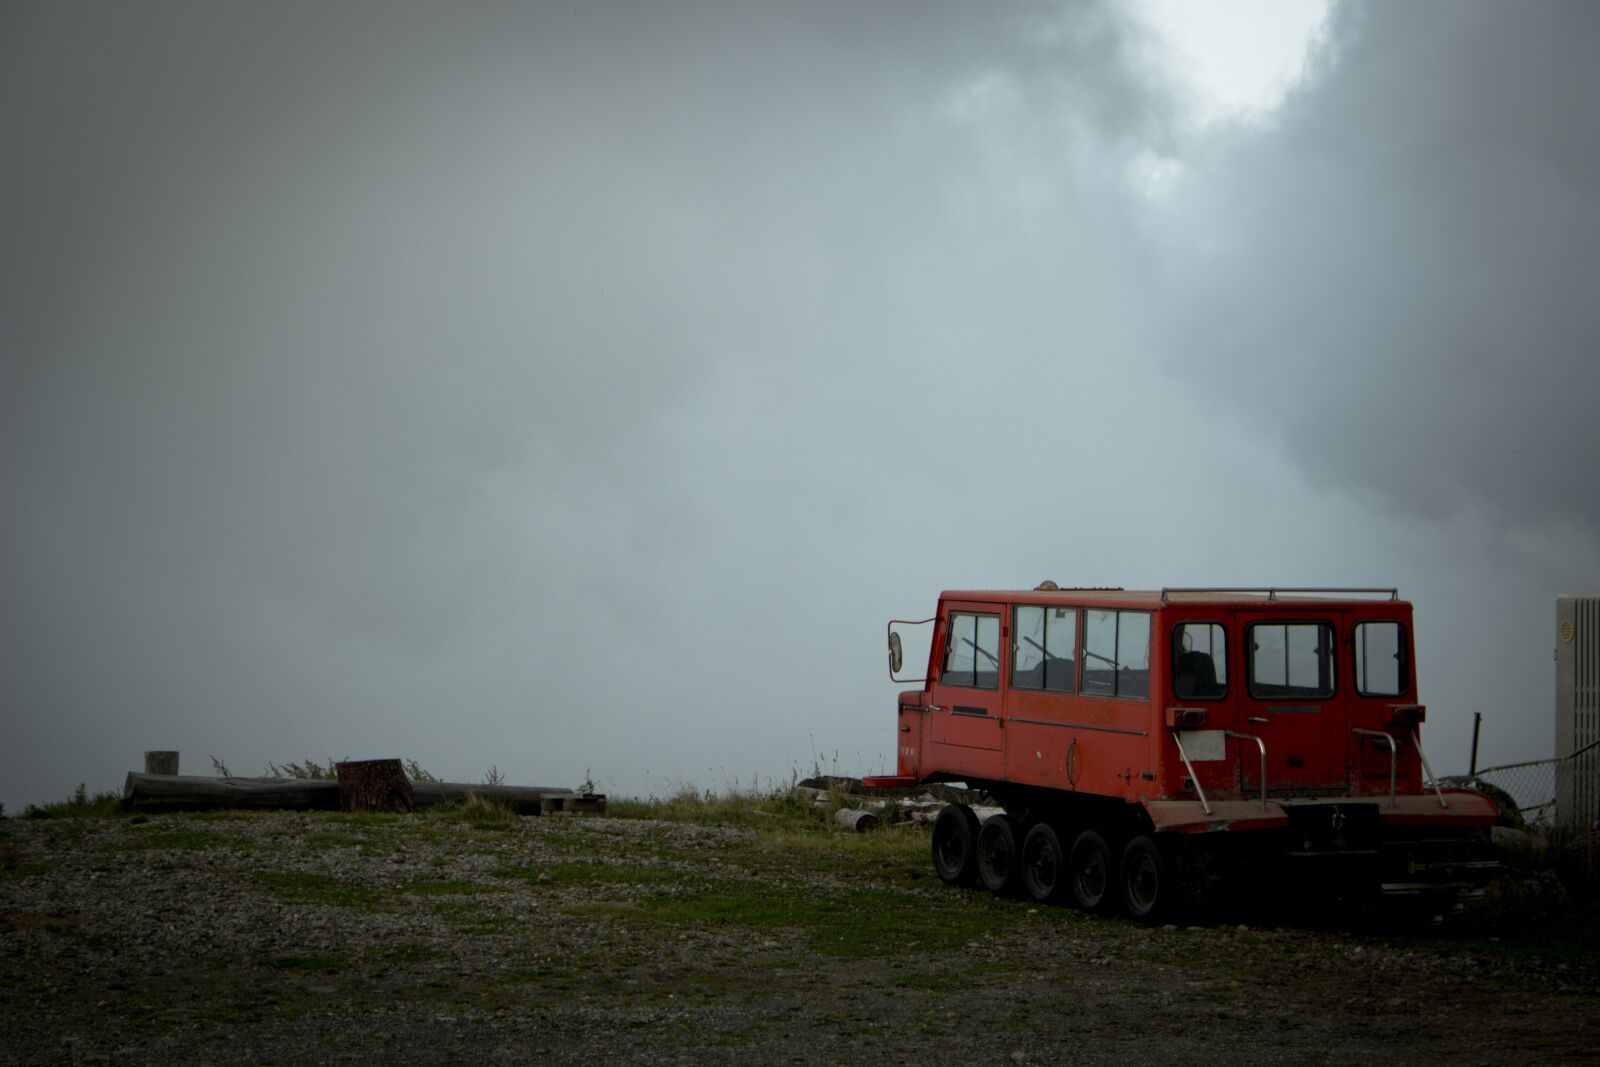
point(481, 813)
point(79, 806)
point(776, 809)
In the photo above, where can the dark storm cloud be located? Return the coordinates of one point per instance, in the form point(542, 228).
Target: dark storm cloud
point(580, 386)
point(1399, 272)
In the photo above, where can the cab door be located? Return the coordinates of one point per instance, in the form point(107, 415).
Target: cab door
point(967, 693)
point(1293, 699)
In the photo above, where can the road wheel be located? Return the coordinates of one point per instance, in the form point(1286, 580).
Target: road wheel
point(1143, 877)
point(1089, 871)
point(1044, 866)
point(955, 845)
point(999, 865)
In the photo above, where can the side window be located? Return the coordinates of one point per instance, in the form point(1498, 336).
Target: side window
point(1291, 660)
point(1116, 653)
point(1044, 642)
point(972, 651)
point(1380, 659)
point(1199, 661)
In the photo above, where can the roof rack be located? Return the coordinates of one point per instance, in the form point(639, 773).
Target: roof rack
point(1273, 591)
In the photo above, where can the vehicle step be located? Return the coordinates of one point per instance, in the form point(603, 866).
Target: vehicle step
point(1416, 889)
point(1459, 865)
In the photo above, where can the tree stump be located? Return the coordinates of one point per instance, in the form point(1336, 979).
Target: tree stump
point(374, 785)
point(161, 763)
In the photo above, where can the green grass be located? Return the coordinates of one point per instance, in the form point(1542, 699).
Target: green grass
point(577, 873)
point(772, 810)
point(411, 952)
point(435, 889)
point(224, 815)
point(478, 813)
point(21, 870)
point(838, 922)
point(319, 964)
point(79, 806)
point(304, 888)
point(189, 840)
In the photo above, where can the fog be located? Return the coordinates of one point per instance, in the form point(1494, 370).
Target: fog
point(578, 388)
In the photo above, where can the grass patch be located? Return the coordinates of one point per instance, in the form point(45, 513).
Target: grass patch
point(79, 806)
point(317, 964)
point(189, 840)
point(558, 875)
point(773, 810)
point(436, 889)
point(21, 870)
point(852, 922)
point(226, 815)
point(304, 888)
point(362, 818)
point(321, 839)
point(898, 854)
point(412, 952)
point(32, 920)
point(468, 918)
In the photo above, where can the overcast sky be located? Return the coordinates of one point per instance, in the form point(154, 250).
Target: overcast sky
point(579, 388)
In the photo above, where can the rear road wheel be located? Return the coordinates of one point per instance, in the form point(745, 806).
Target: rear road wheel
point(1044, 866)
point(1143, 877)
point(999, 865)
point(955, 845)
point(1089, 871)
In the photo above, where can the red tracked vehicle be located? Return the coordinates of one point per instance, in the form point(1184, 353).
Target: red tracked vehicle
point(1149, 747)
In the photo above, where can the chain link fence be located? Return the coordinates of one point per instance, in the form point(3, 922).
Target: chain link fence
point(1547, 792)
point(1558, 801)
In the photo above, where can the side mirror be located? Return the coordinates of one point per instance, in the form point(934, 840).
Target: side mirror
point(896, 657)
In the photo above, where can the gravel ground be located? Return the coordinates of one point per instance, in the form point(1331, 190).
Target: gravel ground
point(321, 938)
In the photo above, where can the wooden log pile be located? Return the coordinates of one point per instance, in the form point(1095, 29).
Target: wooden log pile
point(866, 809)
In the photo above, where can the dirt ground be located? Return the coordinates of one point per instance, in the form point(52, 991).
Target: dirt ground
point(325, 938)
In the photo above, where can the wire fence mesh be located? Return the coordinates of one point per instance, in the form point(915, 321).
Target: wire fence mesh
point(1550, 791)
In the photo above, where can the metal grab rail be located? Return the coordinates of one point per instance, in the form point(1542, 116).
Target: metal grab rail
point(1205, 805)
point(1262, 745)
point(1394, 761)
point(1394, 757)
point(1193, 777)
point(1415, 740)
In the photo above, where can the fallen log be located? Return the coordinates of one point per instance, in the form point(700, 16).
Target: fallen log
point(158, 792)
point(188, 792)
